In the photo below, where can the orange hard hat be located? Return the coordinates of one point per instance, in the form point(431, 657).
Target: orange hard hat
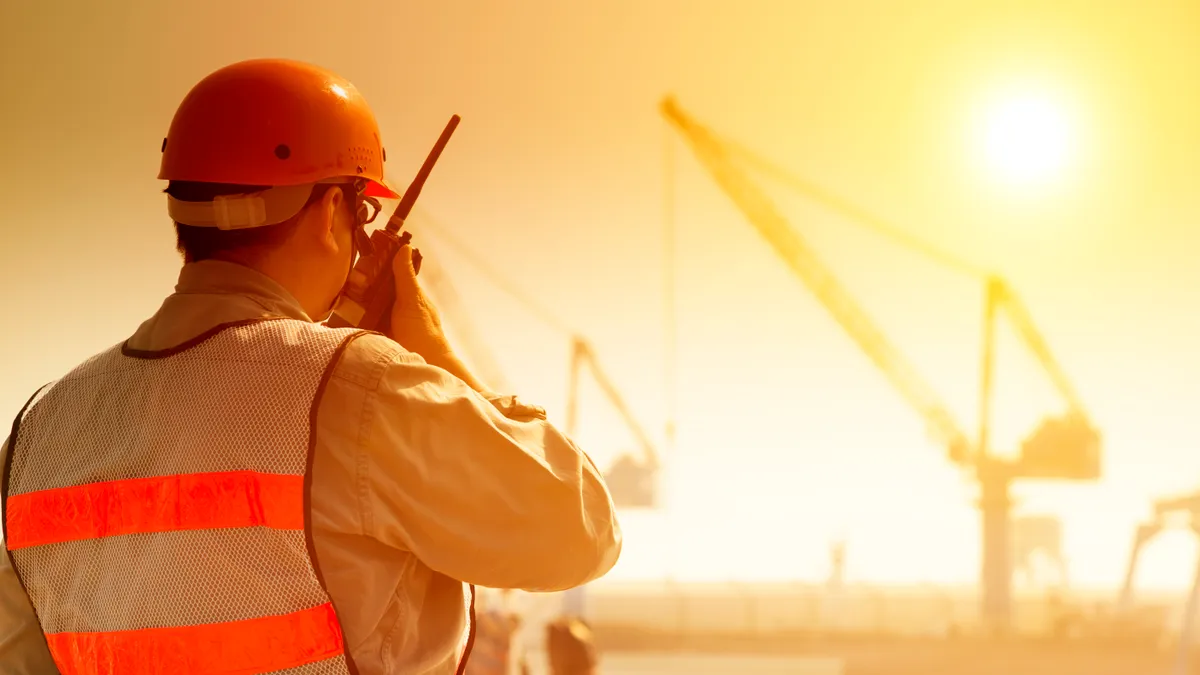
point(274, 122)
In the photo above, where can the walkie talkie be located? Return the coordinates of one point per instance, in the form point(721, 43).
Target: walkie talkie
point(370, 291)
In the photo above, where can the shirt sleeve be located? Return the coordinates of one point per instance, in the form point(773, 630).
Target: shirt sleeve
point(494, 500)
point(23, 649)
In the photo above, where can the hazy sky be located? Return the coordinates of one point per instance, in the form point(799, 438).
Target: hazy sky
point(787, 434)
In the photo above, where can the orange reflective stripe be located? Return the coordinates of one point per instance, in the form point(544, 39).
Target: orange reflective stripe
point(252, 646)
point(194, 501)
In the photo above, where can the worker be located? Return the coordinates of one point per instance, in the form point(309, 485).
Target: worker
point(237, 487)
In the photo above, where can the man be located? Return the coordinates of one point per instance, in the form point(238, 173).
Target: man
point(236, 488)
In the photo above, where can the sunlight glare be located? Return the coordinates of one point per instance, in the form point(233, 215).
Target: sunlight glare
point(1027, 139)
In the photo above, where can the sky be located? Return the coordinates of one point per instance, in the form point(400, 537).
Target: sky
point(788, 437)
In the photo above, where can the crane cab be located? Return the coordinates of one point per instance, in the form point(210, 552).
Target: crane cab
point(1061, 448)
point(631, 483)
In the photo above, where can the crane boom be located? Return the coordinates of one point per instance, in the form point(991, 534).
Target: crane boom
point(854, 213)
point(582, 355)
point(804, 262)
point(1019, 315)
point(1000, 293)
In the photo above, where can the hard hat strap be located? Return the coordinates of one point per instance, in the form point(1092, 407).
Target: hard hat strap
point(237, 212)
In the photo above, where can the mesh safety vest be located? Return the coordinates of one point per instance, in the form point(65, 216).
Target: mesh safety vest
point(156, 507)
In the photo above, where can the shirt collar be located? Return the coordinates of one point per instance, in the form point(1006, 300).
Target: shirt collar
point(218, 277)
point(211, 293)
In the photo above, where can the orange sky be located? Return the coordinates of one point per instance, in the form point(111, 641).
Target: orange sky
point(787, 435)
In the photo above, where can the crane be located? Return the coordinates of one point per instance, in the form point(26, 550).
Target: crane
point(631, 480)
point(632, 477)
point(1167, 512)
point(998, 296)
point(1063, 448)
point(804, 262)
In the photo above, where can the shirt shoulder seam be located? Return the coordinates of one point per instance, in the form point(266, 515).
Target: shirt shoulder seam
point(376, 366)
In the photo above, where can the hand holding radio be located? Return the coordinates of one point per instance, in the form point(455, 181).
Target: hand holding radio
point(370, 293)
point(414, 321)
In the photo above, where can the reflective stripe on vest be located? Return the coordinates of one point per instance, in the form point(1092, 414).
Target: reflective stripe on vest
point(156, 507)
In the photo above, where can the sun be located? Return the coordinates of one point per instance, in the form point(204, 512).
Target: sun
point(1027, 139)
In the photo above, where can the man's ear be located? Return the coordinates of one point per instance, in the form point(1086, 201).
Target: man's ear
point(322, 217)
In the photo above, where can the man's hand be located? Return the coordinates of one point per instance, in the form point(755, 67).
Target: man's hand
point(415, 322)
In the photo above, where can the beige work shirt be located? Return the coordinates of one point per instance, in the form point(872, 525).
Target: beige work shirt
point(419, 485)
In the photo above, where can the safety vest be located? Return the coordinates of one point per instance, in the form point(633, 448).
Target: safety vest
point(157, 507)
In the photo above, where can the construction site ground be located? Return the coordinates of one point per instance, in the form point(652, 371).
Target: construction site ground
point(633, 650)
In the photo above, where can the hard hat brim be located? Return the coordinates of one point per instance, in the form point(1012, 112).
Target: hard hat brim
point(380, 190)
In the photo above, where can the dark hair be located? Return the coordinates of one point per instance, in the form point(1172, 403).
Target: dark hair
point(204, 243)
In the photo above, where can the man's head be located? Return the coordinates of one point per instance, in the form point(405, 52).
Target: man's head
point(310, 253)
point(275, 165)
